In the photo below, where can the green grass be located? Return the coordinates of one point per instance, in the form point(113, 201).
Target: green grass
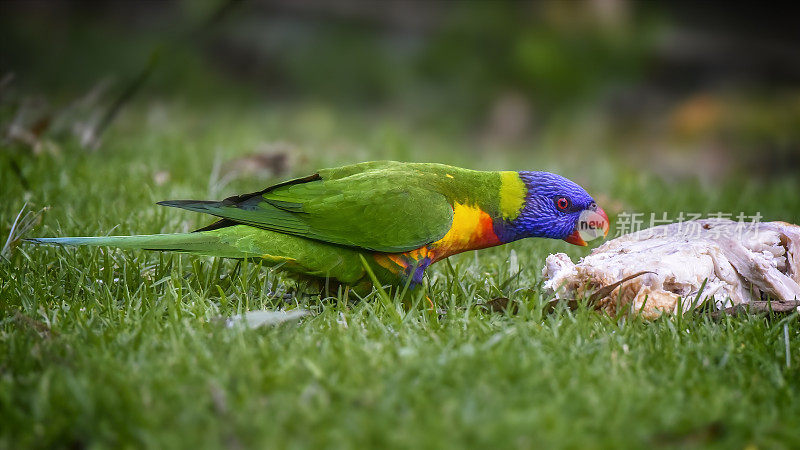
point(106, 348)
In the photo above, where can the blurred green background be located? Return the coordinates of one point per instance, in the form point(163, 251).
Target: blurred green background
point(683, 90)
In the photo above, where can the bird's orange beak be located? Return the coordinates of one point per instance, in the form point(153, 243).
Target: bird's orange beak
point(576, 239)
point(590, 222)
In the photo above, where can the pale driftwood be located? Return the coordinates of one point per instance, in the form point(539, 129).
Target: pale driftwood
point(758, 307)
point(721, 261)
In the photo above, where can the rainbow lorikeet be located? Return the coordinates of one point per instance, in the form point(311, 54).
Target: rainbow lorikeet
point(390, 218)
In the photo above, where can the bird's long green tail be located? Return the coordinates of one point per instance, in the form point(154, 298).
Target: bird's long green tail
point(205, 243)
point(295, 254)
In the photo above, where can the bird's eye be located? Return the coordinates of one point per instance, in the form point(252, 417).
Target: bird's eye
point(562, 203)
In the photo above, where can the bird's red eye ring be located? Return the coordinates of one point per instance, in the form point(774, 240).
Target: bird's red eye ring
point(562, 203)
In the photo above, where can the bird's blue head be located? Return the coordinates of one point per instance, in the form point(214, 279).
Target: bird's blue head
point(555, 208)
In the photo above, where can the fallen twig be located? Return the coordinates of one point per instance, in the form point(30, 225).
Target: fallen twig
point(758, 307)
point(593, 299)
point(19, 228)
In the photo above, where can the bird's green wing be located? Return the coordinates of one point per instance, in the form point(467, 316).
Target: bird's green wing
point(382, 210)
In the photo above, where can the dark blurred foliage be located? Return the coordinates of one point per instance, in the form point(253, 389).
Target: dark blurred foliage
point(694, 86)
point(343, 51)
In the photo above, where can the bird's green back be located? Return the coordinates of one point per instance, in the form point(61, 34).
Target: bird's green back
point(384, 206)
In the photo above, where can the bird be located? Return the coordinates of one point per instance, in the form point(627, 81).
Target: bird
point(375, 222)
